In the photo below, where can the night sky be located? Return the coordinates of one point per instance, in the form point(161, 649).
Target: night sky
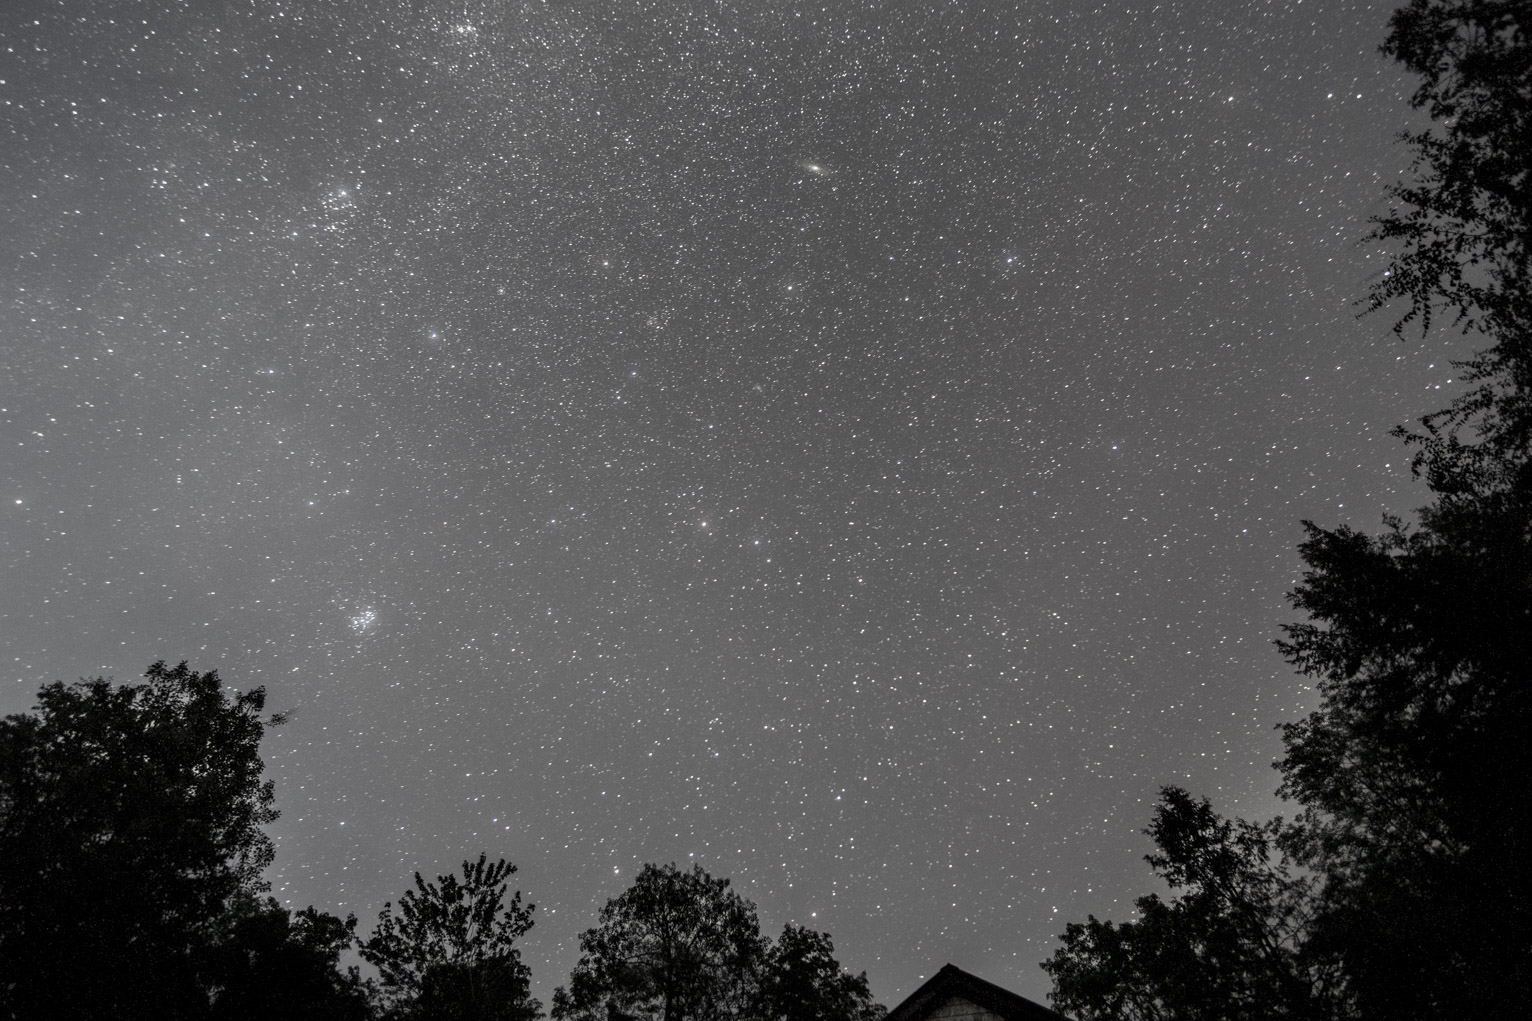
point(858, 447)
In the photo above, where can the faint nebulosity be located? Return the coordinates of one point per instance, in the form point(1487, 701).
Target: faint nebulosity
point(858, 447)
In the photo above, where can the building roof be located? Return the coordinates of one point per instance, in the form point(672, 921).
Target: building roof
point(953, 982)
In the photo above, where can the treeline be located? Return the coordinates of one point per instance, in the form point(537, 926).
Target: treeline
point(1401, 889)
point(131, 855)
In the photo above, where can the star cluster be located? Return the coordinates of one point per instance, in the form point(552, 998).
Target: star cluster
point(859, 447)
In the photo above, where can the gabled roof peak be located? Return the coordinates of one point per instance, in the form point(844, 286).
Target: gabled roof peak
point(952, 981)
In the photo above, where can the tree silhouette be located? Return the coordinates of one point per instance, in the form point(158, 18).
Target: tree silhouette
point(451, 953)
point(802, 981)
point(1413, 770)
point(1235, 943)
point(1461, 228)
point(130, 817)
point(675, 946)
point(271, 963)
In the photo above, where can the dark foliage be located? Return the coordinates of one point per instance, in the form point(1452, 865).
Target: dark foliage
point(1462, 228)
point(1234, 943)
point(1420, 639)
point(270, 963)
point(682, 946)
point(129, 818)
point(675, 946)
point(451, 951)
point(802, 981)
point(1414, 769)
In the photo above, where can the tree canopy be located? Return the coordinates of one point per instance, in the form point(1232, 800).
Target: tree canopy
point(1412, 771)
point(683, 946)
point(1233, 943)
point(1460, 229)
point(268, 962)
point(130, 816)
point(674, 946)
point(451, 951)
point(802, 981)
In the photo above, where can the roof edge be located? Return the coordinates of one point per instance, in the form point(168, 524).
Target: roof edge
point(951, 980)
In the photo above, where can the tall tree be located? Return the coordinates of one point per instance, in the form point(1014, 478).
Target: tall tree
point(130, 817)
point(674, 946)
point(802, 981)
point(1234, 944)
point(1414, 768)
point(451, 951)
